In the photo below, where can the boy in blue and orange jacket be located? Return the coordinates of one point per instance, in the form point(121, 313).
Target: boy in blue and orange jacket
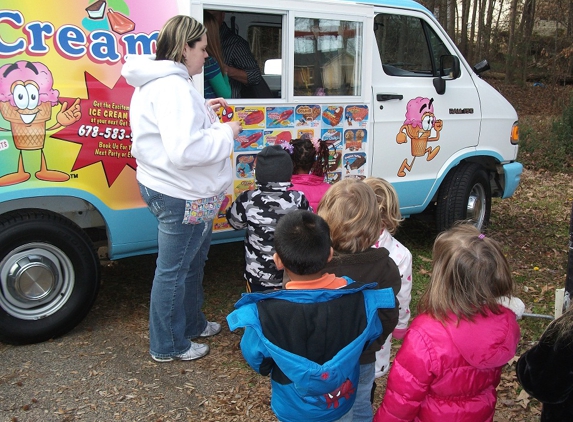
point(309, 336)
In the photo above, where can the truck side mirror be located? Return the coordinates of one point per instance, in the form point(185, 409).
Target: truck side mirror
point(449, 70)
point(481, 67)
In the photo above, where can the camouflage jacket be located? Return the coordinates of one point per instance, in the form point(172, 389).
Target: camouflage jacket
point(259, 211)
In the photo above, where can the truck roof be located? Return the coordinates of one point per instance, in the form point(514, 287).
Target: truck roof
point(409, 4)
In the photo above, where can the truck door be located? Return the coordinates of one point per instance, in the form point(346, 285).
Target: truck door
point(417, 130)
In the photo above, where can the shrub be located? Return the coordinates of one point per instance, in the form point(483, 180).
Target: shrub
point(548, 145)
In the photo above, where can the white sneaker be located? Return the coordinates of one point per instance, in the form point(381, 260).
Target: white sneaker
point(211, 329)
point(196, 351)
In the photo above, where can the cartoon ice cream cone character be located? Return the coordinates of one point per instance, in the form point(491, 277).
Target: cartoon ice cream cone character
point(420, 120)
point(26, 101)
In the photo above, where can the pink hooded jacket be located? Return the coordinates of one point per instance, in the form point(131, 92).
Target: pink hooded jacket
point(449, 373)
point(313, 187)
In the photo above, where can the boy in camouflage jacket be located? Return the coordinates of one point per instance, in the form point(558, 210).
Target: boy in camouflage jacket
point(259, 211)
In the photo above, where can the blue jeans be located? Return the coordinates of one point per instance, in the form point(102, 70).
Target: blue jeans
point(362, 409)
point(175, 314)
point(346, 418)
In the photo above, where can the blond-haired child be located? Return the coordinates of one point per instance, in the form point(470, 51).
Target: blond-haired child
point(450, 363)
point(351, 210)
point(389, 211)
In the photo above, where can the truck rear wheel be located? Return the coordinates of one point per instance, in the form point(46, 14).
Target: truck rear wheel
point(49, 276)
point(465, 194)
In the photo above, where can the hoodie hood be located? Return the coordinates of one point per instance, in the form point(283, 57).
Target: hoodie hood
point(307, 179)
point(141, 69)
point(487, 342)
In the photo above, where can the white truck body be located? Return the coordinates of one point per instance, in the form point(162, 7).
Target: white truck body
point(380, 79)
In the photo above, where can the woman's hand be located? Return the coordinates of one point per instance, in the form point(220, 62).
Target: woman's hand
point(236, 127)
point(216, 103)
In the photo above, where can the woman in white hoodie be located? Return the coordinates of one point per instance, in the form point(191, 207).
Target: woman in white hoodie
point(183, 170)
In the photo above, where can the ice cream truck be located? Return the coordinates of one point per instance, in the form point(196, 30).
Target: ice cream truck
point(379, 79)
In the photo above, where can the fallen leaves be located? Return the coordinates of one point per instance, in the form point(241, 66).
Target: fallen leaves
point(523, 399)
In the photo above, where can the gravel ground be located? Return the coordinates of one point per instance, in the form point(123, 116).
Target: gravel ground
point(102, 370)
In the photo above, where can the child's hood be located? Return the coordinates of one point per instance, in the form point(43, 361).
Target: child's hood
point(308, 179)
point(489, 341)
point(141, 69)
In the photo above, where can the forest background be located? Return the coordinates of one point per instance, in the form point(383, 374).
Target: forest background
point(524, 40)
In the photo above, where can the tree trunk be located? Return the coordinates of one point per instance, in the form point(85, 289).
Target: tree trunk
point(472, 42)
point(487, 28)
point(478, 50)
point(453, 7)
point(526, 29)
point(496, 28)
point(510, 59)
point(570, 20)
point(431, 5)
point(443, 15)
point(466, 4)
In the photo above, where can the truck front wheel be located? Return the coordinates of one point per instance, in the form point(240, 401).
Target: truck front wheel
point(49, 276)
point(465, 194)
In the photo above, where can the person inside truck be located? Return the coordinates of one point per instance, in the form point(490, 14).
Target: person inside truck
point(183, 170)
point(216, 79)
point(242, 67)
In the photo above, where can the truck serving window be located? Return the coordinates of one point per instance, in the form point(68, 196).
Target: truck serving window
point(264, 35)
point(408, 46)
point(327, 57)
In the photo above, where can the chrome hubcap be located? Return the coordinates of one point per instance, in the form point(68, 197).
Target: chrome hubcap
point(36, 280)
point(476, 205)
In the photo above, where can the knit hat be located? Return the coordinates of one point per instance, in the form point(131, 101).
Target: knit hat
point(273, 165)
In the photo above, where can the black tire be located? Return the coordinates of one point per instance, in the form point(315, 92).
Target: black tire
point(49, 276)
point(465, 195)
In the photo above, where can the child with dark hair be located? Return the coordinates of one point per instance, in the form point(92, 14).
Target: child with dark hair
point(302, 336)
point(259, 211)
point(546, 370)
point(310, 164)
point(302, 243)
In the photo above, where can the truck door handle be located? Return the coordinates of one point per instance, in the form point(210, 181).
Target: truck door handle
point(388, 97)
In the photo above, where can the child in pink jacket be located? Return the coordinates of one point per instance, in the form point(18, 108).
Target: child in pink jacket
point(310, 164)
point(450, 363)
